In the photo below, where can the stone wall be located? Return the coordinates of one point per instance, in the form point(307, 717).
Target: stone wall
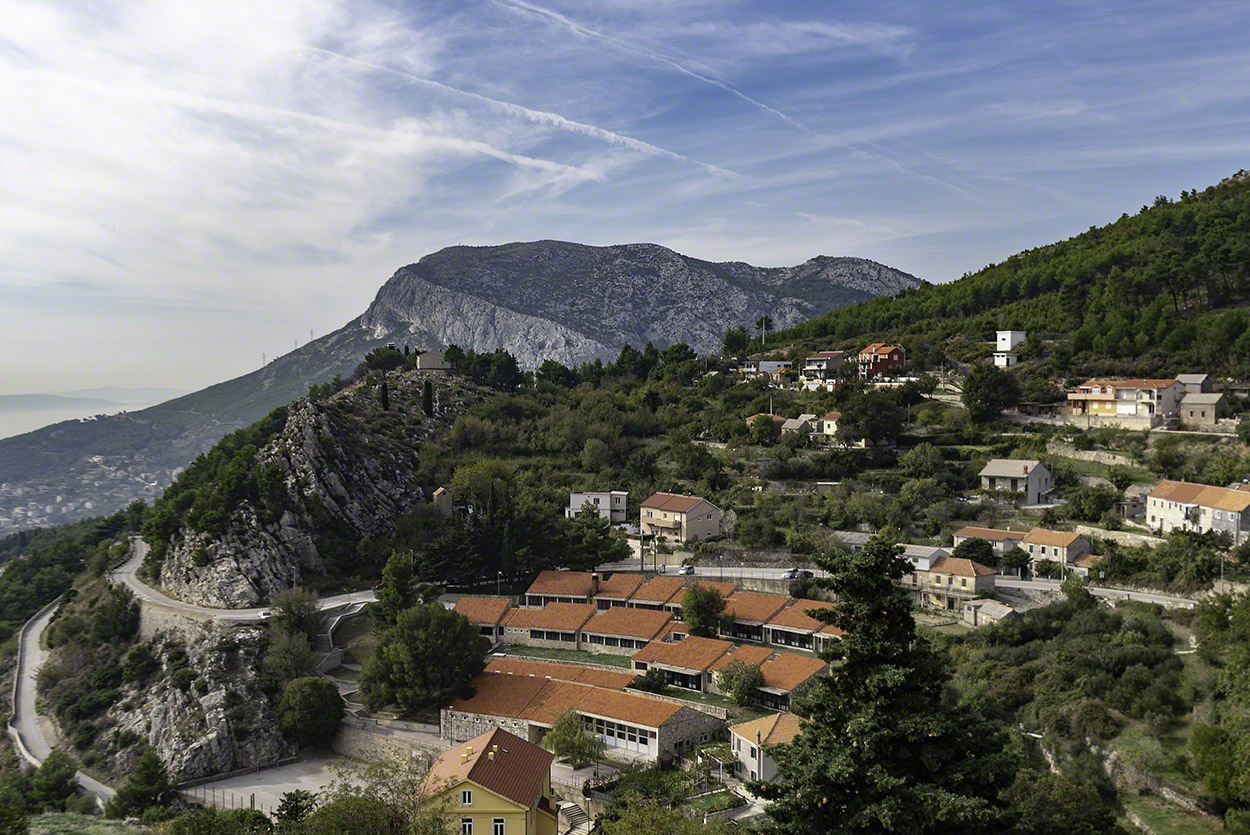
point(455, 728)
point(686, 726)
point(521, 637)
point(1122, 537)
point(372, 743)
point(1096, 455)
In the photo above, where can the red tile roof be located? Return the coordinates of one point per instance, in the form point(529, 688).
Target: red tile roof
point(632, 623)
point(789, 669)
point(659, 590)
point(567, 617)
point(1205, 495)
point(483, 610)
point(796, 617)
point(960, 567)
point(562, 584)
point(747, 654)
point(671, 502)
point(725, 589)
point(692, 653)
point(992, 534)
point(500, 762)
point(774, 729)
point(754, 607)
point(526, 667)
point(1129, 384)
point(620, 586)
point(545, 700)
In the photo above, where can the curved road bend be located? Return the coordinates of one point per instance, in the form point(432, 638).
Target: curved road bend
point(25, 720)
point(126, 574)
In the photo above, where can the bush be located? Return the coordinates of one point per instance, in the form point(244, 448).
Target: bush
point(310, 711)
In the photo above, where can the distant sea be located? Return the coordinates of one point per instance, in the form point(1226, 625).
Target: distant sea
point(21, 413)
point(28, 420)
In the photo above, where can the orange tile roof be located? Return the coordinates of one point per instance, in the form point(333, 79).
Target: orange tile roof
point(795, 616)
point(1205, 495)
point(747, 654)
point(826, 355)
point(789, 669)
point(483, 610)
point(562, 584)
point(671, 502)
point(632, 623)
point(1089, 560)
point(659, 590)
point(567, 617)
point(879, 348)
point(776, 418)
point(992, 534)
point(526, 667)
point(620, 585)
point(1053, 539)
point(774, 729)
point(834, 416)
point(545, 700)
point(960, 567)
point(518, 769)
point(754, 607)
point(1130, 384)
point(692, 653)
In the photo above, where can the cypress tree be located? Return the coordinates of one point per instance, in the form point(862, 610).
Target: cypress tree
point(885, 747)
point(385, 397)
point(427, 399)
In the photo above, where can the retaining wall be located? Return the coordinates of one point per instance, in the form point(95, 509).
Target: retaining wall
point(1096, 455)
point(1122, 537)
point(374, 743)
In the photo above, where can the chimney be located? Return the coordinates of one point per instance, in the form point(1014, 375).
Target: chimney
point(1025, 468)
point(468, 750)
point(491, 756)
point(464, 758)
point(594, 583)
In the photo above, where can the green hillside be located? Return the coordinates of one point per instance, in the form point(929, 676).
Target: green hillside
point(1162, 291)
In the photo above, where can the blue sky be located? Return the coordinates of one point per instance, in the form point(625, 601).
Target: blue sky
point(186, 185)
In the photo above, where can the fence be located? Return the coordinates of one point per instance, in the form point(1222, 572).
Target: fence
point(225, 799)
point(238, 772)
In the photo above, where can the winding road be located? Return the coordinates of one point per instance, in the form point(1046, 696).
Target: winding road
point(127, 576)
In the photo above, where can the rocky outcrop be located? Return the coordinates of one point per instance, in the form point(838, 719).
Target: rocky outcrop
point(223, 719)
point(342, 464)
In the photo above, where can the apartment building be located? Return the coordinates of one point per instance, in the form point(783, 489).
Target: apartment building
point(1143, 403)
point(820, 370)
point(1183, 506)
point(678, 517)
point(610, 504)
point(881, 360)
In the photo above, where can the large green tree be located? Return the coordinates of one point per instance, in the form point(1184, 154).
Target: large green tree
point(310, 711)
point(886, 747)
point(428, 658)
point(593, 542)
point(702, 608)
point(148, 786)
point(988, 390)
point(569, 738)
point(54, 782)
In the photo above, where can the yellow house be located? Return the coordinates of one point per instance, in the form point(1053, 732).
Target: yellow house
point(496, 784)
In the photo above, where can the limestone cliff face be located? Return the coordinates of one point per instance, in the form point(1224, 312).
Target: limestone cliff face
point(222, 721)
point(342, 464)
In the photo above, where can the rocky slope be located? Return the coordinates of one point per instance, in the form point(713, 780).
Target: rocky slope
point(537, 300)
point(341, 465)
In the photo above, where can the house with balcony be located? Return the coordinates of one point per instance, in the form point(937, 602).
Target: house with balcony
point(611, 505)
point(1183, 506)
point(1029, 479)
point(946, 582)
point(774, 371)
point(880, 360)
point(820, 370)
point(825, 428)
point(1130, 403)
point(679, 518)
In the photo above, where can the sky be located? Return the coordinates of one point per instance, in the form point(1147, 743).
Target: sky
point(188, 186)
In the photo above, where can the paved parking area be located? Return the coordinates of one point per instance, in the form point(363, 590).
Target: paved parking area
point(265, 788)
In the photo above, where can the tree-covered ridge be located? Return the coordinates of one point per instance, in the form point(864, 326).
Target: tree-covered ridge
point(1156, 292)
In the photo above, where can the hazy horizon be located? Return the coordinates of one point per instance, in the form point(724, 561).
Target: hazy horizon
point(188, 187)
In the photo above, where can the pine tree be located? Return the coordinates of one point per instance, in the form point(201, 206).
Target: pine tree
point(884, 747)
point(148, 786)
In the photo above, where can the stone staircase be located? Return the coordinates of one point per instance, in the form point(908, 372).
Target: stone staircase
point(574, 814)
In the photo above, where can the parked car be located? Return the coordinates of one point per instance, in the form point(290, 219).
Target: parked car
point(790, 574)
point(266, 615)
point(686, 570)
point(804, 574)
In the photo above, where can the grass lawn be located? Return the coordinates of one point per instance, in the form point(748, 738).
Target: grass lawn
point(716, 800)
point(65, 824)
point(1165, 819)
point(1161, 757)
point(572, 655)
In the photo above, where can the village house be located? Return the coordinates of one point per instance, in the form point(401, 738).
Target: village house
point(1063, 547)
point(617, 589)
point(611, 505)
point(1132, 403)
point(634, 727)
point(749, 743)
point(802, 423)
point(1195, 383)
point(749, 612)
point(880, 360)
point(792, 626)
point(1030, 479)
point(772, 370)
point(776, 419)
point(982, 612)
point(432, 361)
point(1086, 566)
point(1005, 354)
point(561, 587)
point(820, 370)
point(621, 631)
point(1202, 408)
point(556, 625)
point(825, 428)
point(682, 518)
point(1183, 506)
point(946, 583)
point(1001, 541)
point(486, 613)
point(495, 783)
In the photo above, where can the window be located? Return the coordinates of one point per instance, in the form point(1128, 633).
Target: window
point(466, 798)
point(466, 826)
point(496, 826)
point(752, 752)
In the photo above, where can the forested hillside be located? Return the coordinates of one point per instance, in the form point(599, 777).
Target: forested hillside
point(1158, 292)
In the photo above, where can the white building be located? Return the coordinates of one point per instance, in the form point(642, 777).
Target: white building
point(1005, 354)
point(820, 370)
point(1030, 478)
point(1182, 506)
point(749, 742)
point(612, 504)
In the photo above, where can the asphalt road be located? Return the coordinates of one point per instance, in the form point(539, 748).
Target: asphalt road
point(127, 576)
point(25, 720)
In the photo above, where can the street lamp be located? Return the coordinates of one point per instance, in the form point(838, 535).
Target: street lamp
point(498, 580)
